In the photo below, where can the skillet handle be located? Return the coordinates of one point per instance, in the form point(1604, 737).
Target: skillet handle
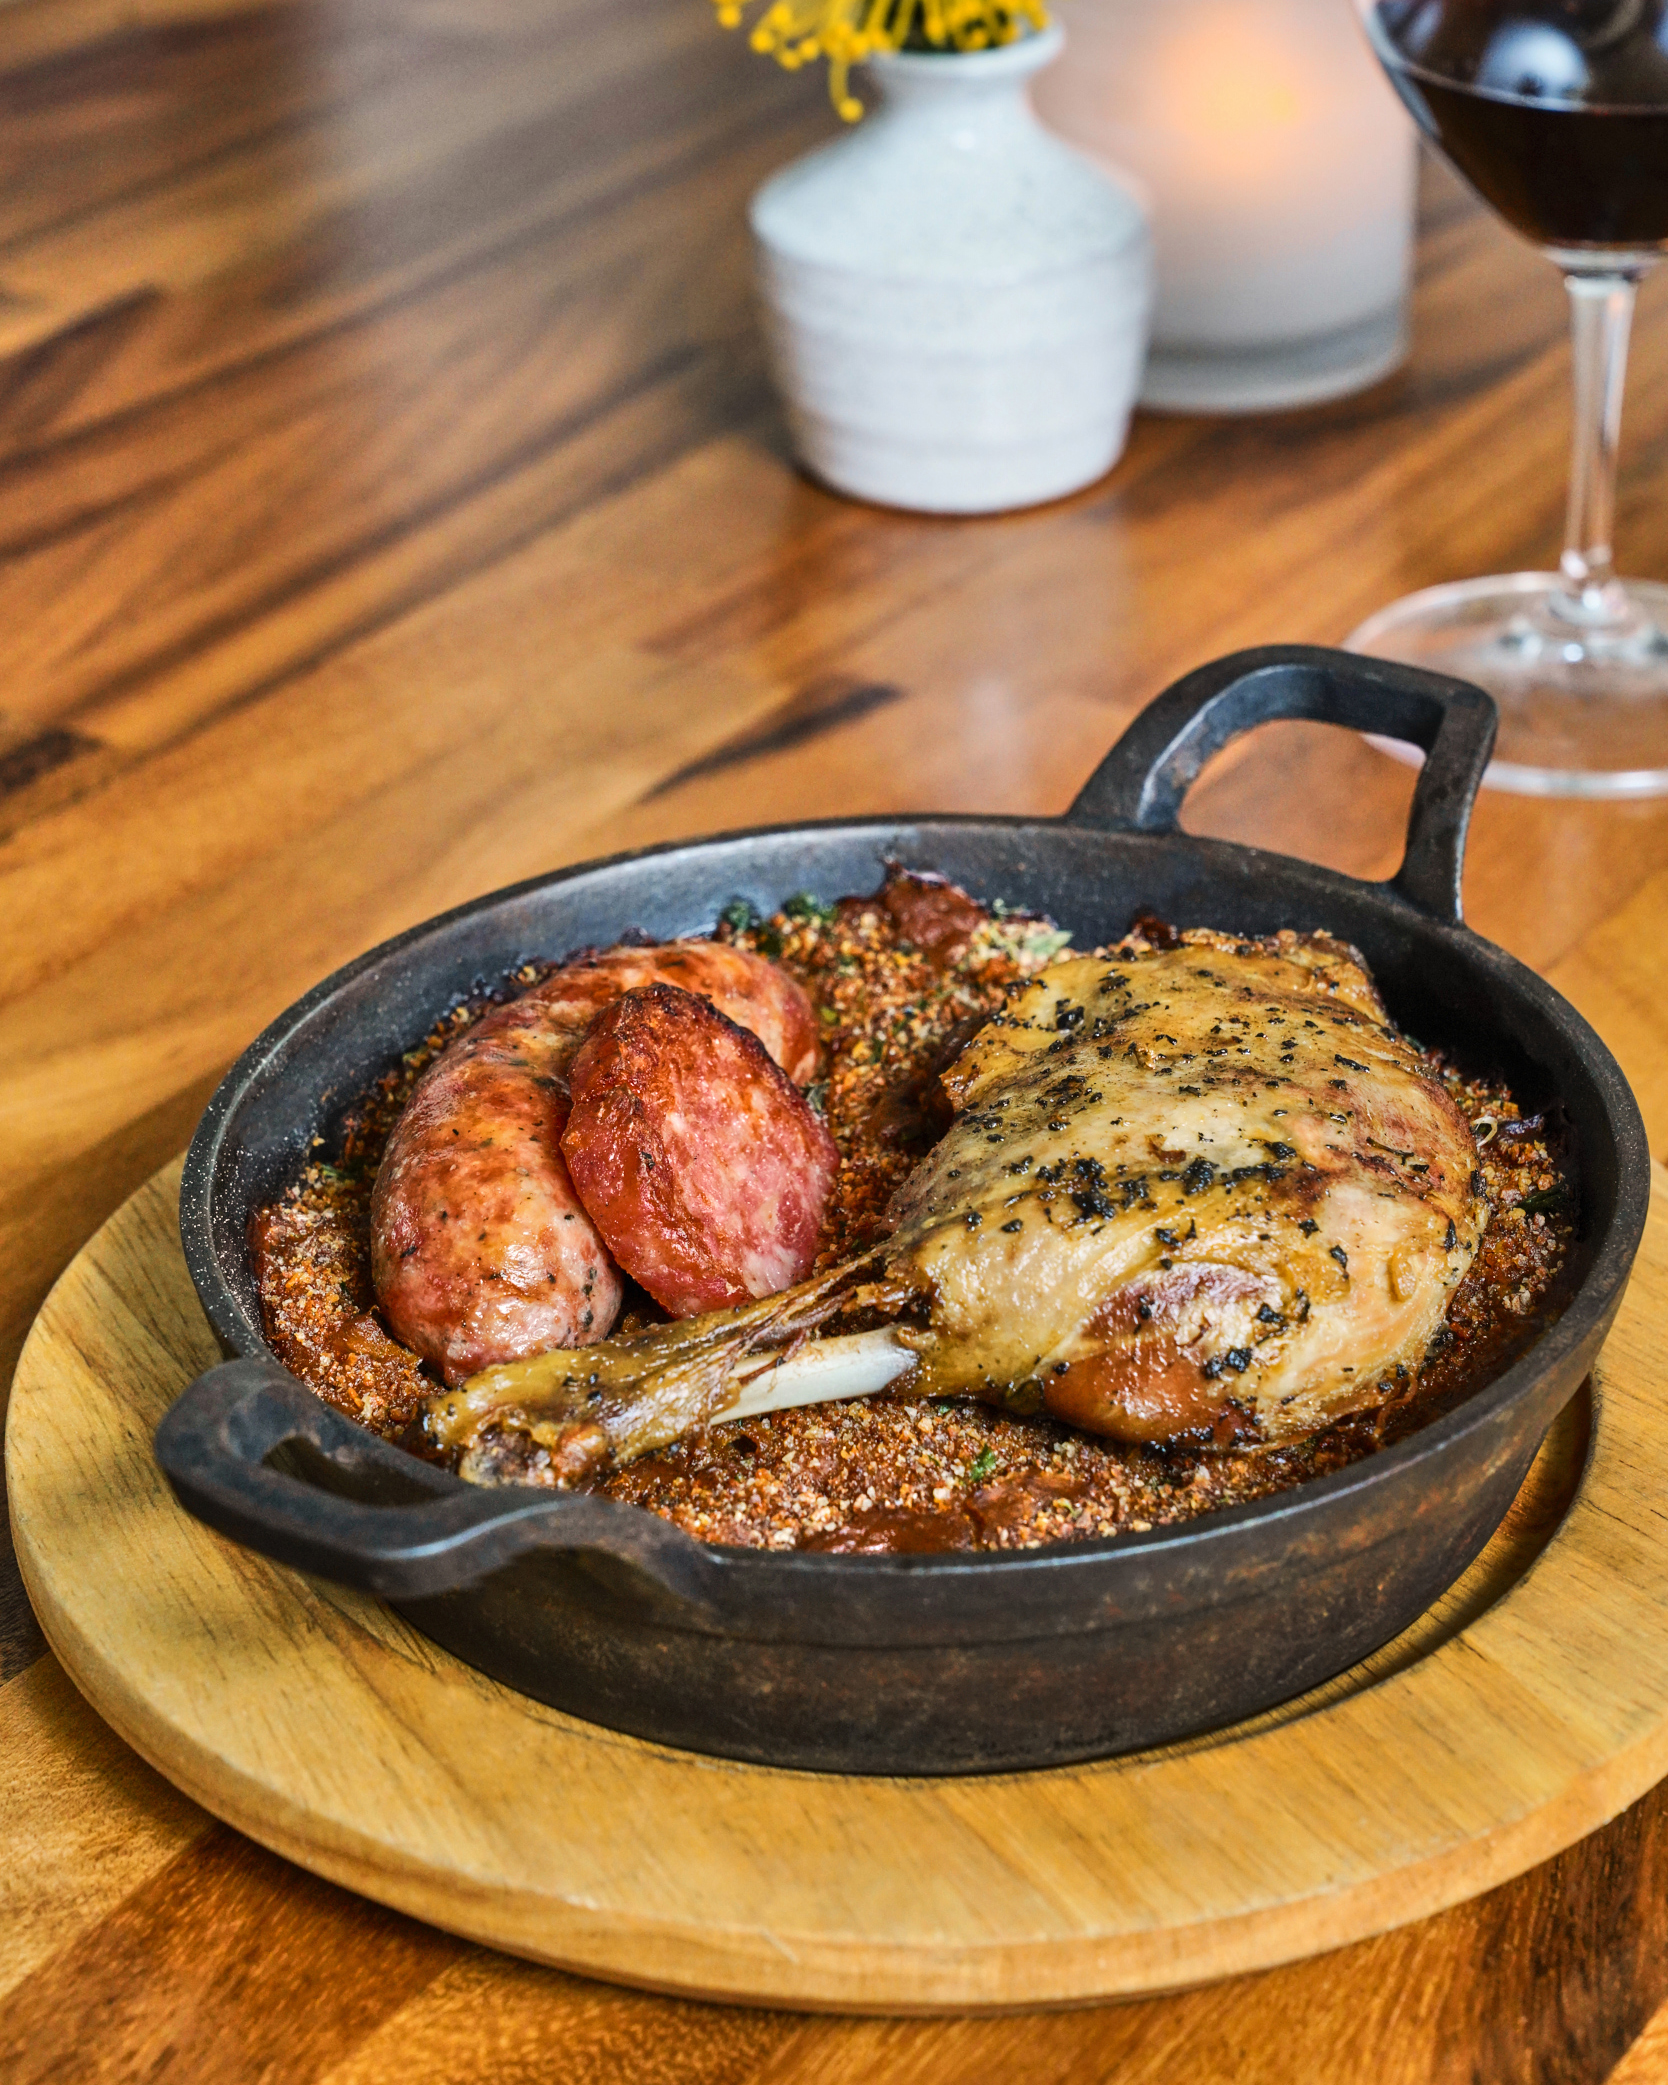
point(1140, 785)
point(398, 1526)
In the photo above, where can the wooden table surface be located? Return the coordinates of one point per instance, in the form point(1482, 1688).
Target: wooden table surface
point(394, 505)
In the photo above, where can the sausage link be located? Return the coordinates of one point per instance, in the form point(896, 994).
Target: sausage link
point(481, 1250)
point(748, 988)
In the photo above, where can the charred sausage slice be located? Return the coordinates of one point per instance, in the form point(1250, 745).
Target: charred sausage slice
point(702, 1166)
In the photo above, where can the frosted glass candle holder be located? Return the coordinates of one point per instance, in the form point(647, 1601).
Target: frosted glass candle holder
point(1278, 170)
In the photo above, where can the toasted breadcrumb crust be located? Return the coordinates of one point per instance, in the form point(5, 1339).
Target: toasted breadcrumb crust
point(899, 980)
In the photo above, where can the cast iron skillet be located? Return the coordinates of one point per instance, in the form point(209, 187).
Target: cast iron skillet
point(936, 1663)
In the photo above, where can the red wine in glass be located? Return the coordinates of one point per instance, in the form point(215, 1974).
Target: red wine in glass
point(1556, 113)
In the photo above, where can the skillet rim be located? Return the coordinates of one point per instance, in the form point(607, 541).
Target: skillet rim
point(1589, 1308)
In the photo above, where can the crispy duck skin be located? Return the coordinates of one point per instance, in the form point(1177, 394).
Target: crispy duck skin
point(1200, 1191)
point(1196, 1189)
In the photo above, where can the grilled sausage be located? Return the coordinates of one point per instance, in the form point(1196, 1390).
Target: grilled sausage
point(481, 1251)
point(704, 1169)
point(750, 989)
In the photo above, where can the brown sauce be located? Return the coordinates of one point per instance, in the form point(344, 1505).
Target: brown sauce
point(899, 980)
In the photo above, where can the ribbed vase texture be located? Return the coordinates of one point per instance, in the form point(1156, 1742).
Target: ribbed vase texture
point(955, 302)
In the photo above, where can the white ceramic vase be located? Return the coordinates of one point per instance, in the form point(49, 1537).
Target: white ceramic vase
point(955, 301)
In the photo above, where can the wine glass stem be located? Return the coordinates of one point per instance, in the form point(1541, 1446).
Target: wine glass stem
point(1601, 313)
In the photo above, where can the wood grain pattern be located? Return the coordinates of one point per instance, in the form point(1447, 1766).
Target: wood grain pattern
point(1646, 2062)
point(394, 505)
point(1495, 1731)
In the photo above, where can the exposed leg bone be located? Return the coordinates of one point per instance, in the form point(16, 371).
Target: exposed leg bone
point(591, 1406)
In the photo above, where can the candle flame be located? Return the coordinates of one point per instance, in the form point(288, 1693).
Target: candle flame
point(1221, 75)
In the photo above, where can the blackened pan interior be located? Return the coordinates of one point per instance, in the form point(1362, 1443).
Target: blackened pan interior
point(964, 1663)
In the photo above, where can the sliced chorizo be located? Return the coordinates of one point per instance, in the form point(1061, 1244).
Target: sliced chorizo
point(703, 1167)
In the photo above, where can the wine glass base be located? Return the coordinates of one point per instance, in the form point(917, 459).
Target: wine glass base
point(1583, 706)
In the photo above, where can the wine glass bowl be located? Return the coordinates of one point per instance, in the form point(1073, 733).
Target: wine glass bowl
point(1556, 113)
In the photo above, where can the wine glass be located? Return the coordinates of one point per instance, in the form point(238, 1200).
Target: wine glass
point(1556, 113)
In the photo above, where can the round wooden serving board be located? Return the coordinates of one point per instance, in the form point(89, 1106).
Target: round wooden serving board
point(1523, 1711)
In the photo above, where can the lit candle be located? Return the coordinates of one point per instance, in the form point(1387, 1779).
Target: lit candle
point(1278, 168)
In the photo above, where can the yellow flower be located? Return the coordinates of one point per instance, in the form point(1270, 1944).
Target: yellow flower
point(845, 32)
